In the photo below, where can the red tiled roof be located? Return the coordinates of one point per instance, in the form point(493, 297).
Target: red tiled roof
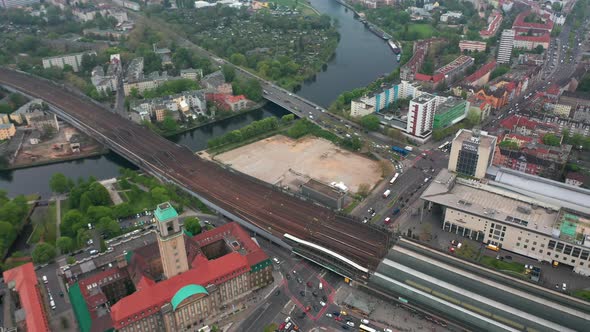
point(488, 67)
point(493, 26)
point(152, 298)
point(26, 282)
point(520, 23)
point(553, 89)
point(514, 121)
point(545, 38)
point(144, 282)
point(203, 272)
point(235, 99)
point(427, 78)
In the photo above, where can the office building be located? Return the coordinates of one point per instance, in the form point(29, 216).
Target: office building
point(506, 43)
point(531, 216)
point(472, 152)
point(421, 115)
point(73, 60)
point(450, 112)
point(17, 3)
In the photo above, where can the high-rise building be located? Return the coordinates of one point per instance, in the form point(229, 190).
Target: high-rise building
point(506, 43)
point(170, 241)
point(421, 115)
point(472, 152)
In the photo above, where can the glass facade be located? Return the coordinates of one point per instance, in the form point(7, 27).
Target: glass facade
point(467, 160)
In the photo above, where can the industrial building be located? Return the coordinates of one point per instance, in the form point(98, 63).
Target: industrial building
point(329, 196)
point(521, 213)
point(472, 152)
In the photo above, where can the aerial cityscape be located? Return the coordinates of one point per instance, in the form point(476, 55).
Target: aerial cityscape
point(294, 165)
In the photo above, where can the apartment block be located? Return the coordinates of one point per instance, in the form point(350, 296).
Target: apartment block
point(421, 115)
point(74, 60)
point(472, 46)
point(506, 44)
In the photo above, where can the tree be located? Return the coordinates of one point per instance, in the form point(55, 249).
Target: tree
point(82, 237)
point(65, 244)
point(72, 221)
point(5, 109)
point(169, 124)
point(85, 202)
point(43, 253)
point(473, 119)
point(370, 122)
point(287, 118)
point(99, 195)
point(192, 225)
point(108, 226)
point(159, 195)
point(363, 189)
point(551, 139)
point(88, 63)
point(59, 183)
point(238, 59)
point(7, 235)
point(229, 73)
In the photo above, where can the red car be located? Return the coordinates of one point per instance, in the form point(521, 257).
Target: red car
point(308, 308)
point(309, 284)
point(282, 326)
point(338, 318)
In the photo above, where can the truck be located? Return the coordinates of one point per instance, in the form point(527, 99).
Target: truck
point(409, 148)
point(399, 150)
point(386, 193)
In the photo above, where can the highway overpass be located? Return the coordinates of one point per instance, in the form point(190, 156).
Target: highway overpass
point(353, 248)
point(482, 299)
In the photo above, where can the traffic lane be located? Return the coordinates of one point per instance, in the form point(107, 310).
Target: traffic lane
point(266, 314)
point(53, 287)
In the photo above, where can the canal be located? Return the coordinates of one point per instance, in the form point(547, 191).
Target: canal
point(359, 59)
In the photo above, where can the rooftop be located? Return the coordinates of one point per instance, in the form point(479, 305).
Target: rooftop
point(481, 137)
point(24, 280)
point(324, 189)
point(550, 191)
point(490, 202)
point(423, 98)
point(165, 211)
point(449, 104)
point(71, 54)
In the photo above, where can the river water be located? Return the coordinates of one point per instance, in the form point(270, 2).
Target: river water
point(360, 58)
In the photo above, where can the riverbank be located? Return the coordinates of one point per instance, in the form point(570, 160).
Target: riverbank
point(216, 120)
point(102, 152)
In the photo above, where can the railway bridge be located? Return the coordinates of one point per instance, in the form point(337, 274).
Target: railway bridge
point(337, 242)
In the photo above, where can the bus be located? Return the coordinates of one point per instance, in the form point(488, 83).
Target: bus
point(393, 178)
point(445, 144)
point(365, 328)
point(492, 247)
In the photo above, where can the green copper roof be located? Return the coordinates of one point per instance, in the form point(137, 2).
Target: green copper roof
point(186, 292)
point(165, 212)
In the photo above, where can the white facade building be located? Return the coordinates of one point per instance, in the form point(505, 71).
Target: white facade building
point(377, 101)
point(421, 115)
point(74, 60)
point(506, 44)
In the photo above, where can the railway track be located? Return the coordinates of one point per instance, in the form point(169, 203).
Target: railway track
point(255, 202)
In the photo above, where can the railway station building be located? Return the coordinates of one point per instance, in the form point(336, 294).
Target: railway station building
point(517, 212)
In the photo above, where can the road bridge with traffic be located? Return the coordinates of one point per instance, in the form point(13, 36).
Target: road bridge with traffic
point(258, 206)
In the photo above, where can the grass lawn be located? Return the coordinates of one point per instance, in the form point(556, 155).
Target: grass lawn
point(502, 265)
point(137, 199)
point(46, 228)
point(423, 30)
point(584, 294)
point(351, 206)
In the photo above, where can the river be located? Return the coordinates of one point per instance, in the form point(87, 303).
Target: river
point(360, 58)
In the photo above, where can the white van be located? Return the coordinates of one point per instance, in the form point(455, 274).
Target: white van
point(44, 279)
point(52, 304)
point(321, 286)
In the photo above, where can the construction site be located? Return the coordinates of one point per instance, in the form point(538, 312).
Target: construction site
point(31, 147)
point(290, 163)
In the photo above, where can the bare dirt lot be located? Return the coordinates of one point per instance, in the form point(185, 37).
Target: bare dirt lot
point(283, 161)
point(57, 146)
